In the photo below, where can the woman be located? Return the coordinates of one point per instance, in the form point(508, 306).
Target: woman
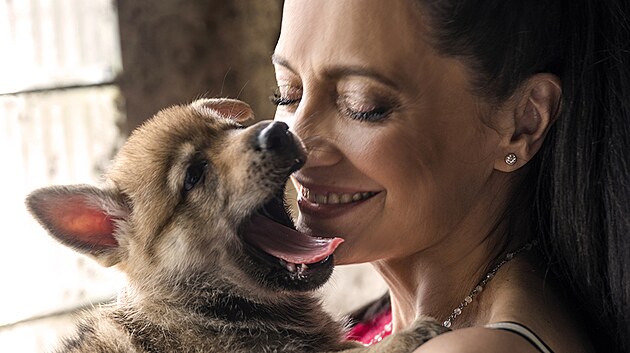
point(475, 152)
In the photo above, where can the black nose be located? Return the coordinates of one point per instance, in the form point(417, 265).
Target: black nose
point(274, 136)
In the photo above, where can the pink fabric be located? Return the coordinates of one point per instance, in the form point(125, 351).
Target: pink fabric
point(372, 331)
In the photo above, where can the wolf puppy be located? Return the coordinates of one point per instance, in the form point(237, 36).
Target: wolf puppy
point(192, 212)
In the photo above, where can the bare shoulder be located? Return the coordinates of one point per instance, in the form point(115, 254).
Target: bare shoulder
point(477, 339)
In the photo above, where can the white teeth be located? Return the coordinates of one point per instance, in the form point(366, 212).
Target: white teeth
point(301, 268)
point(294, 268)
point(345, 198)
point(305, 193)
point(333, 198)
point(321, 199)
point(291, 267)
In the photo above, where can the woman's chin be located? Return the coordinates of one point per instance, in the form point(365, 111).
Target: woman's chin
point(341, 253)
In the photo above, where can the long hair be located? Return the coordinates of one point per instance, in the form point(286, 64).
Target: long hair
point(580, 209)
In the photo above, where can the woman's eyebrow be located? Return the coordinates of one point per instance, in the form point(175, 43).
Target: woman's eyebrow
point(337, 72)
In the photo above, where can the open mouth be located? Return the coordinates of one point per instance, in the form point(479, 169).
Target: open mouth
point(276, 241)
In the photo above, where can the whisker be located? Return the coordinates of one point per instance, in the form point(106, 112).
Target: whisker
point(241, 91)
point(224, 79)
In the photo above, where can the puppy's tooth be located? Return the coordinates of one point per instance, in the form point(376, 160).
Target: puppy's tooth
point(291, 267)
point(356, 197)
point(301, 268)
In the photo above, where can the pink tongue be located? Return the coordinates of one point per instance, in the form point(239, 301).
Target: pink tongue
point(288, 244)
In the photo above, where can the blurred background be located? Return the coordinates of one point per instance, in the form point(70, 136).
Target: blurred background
point(76, 77)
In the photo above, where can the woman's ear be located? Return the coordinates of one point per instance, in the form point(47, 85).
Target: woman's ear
point(536, 106)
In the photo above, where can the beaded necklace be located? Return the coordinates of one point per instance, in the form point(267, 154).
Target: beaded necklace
point(482, 284)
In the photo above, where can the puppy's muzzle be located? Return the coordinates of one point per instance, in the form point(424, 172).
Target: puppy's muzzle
point(276, 138)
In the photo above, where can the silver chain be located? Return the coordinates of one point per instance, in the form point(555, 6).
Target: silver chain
point(481, 285)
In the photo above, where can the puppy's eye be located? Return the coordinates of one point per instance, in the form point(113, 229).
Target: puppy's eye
point(194, 174)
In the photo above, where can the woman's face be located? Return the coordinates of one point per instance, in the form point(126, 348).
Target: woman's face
point(399, 154)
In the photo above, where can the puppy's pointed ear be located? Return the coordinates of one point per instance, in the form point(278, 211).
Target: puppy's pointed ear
point(232, 109)
point(85, 218)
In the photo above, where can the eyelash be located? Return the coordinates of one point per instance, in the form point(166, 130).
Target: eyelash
point(277, 99)
point(375, 115)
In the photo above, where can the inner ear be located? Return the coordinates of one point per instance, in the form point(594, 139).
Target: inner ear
point(540, 108)
point(78, 221)
point(227, 108)
point(81, 217)
point(529, 121)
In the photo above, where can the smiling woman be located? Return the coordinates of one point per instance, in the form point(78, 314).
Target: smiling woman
point(439, 136)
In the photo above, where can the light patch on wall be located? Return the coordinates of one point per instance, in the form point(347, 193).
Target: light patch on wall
point(50, 138)
point(59, 117)
point(51, 43)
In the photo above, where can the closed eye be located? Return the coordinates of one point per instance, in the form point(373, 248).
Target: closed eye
point(286, 96)
point(194, 174)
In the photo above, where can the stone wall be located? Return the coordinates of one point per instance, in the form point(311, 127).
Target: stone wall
point(174, 51)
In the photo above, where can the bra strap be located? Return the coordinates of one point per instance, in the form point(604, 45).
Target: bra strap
point(522, 331)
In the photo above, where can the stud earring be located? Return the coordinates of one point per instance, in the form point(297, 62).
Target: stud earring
point(510, 159)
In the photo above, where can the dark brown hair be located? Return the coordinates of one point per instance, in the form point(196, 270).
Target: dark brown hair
point(580, 207)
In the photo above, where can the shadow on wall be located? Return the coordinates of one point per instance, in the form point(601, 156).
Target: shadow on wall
point(174, 51)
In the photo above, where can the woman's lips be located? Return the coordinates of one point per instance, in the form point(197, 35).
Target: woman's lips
point(323, 203)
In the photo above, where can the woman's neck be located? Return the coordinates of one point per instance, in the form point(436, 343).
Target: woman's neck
point(415, 290)
point(434, 281)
